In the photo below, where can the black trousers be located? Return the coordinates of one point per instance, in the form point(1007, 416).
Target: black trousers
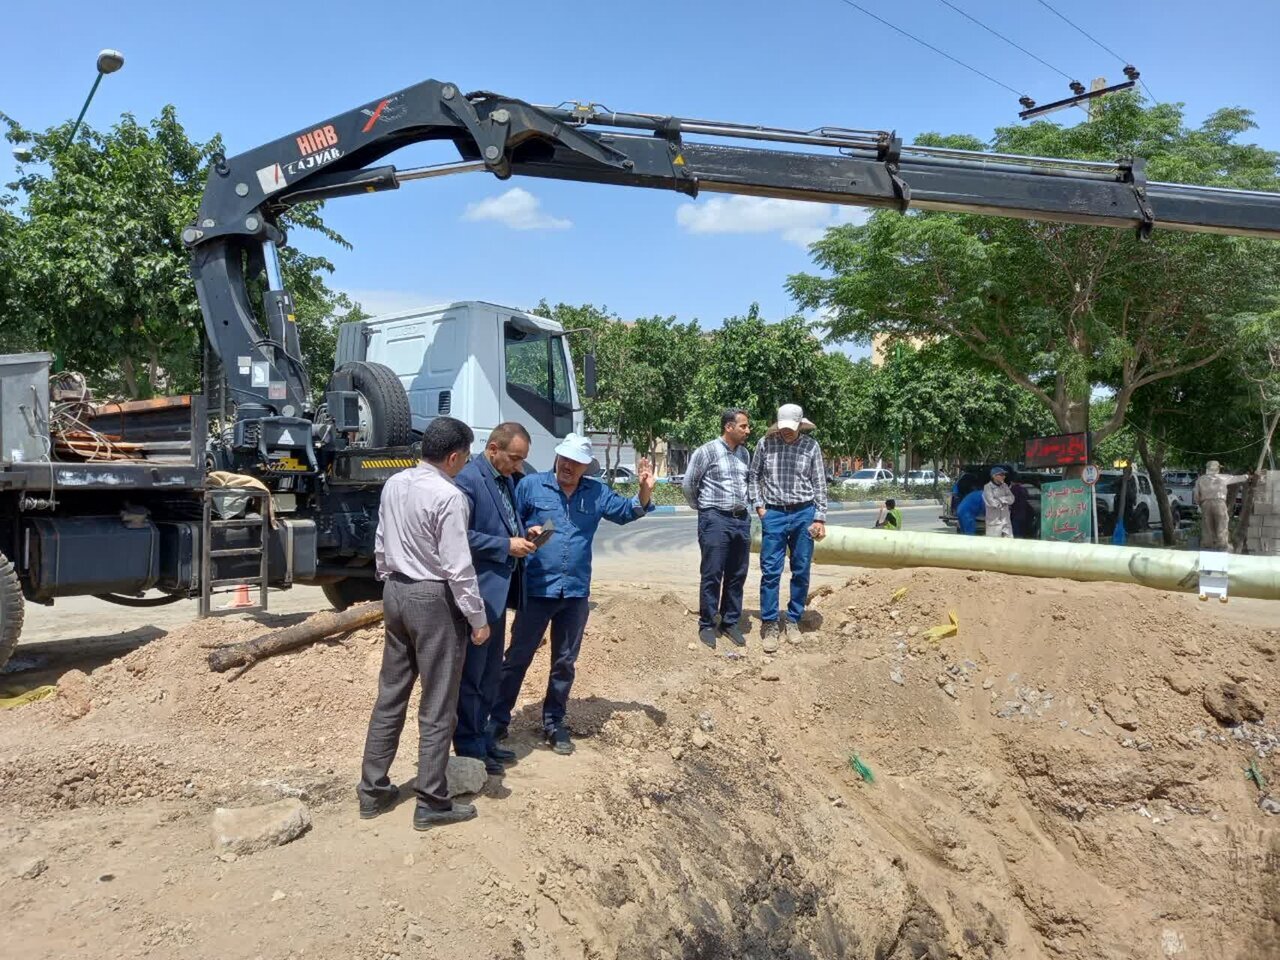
point(426, 636)
point(726, 552)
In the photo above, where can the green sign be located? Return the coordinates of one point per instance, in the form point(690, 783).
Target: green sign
point(1066, 511)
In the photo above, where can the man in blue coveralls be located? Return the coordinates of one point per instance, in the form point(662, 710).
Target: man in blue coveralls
point(558, 577)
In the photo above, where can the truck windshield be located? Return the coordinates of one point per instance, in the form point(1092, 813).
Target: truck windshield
point(538, 377)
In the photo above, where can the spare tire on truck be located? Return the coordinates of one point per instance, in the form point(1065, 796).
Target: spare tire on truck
point(385, 417)
point(352, 590)
point(11, 609)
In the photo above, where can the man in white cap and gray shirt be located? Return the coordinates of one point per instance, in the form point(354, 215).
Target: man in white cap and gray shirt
point(787, 485)
point(558, 577)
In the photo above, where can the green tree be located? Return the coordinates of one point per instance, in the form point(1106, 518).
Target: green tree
point(758, 366)
point(937, 404)
point(1060, 308)
point(99, 273)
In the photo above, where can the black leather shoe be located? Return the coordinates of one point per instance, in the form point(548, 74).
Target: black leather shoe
point(734, 633)
point(707, 637)
point(560, 739)
point(424, 818)
point(493, 766)
point(502, 754)
point(372, 808)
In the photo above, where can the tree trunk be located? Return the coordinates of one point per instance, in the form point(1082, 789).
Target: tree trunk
point(1241, 539)
point(1153, 462)
point(130, 376)
point(315, 628)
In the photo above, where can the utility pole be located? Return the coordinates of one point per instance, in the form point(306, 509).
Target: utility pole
point(1095, 105)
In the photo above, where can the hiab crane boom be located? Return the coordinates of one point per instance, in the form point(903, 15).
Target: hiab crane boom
point(120, 526)
point(507, 137)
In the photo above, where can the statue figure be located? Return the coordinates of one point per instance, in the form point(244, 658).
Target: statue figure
point(1210, 496)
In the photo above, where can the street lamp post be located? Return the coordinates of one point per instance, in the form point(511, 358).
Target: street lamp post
point(109, 61)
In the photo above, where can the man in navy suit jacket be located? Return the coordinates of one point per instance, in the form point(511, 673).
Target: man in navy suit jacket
point(498, 543)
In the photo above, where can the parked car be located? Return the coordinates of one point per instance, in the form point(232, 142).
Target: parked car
point(623, 473)
point(1181, 485)
point(926, 478)
point(867, 478)
point(975, 476)
point(1142, 510)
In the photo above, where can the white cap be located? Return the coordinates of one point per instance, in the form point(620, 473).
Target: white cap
point(575, 448)
point(791, 417)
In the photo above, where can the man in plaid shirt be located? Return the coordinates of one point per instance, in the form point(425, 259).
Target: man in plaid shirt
point(715, 484)
point(788, 489)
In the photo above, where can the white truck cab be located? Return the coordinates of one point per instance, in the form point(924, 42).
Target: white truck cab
point(480, 362)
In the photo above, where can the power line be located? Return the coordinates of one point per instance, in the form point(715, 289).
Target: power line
point(1095, 41)
point(996, 33)
point(929, 46)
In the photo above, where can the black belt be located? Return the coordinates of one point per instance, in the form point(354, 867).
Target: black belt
point(790, 507)
point(738, 514)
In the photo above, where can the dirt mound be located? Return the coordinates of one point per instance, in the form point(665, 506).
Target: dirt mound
point(1047, 783)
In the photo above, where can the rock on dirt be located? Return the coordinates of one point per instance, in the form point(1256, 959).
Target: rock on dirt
point(1233, 703)
point(465, 775)
point(28, 868)
point(770, 672)
point(1269, 804)
point(75, 694)
point(1122, 710)
point(700, 740)
point(246, 830)
point(1179, 682)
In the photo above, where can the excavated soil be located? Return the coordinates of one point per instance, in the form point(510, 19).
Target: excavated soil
point(1047, 784)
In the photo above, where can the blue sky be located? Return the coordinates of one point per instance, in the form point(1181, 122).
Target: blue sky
point(257, 71)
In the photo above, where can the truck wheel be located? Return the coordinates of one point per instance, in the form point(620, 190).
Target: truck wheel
point(352, 590)
point(385, 417)
point(11, 609)
point(1175, 509)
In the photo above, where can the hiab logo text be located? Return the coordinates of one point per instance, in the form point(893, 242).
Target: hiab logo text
point(318, 139)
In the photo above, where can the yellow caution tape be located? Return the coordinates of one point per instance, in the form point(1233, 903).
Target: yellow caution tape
point(934, 634)
point(11, 697)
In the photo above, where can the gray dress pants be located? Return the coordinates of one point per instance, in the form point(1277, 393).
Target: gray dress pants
point(426, 636)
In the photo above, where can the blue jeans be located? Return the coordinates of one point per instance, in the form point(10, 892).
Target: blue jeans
point(782, 534)
point(726, 552)
point(568, 619)
point(480, 673)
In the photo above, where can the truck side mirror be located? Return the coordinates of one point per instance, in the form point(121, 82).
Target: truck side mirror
point(589, 376)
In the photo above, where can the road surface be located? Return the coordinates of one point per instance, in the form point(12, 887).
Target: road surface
point(658, 549)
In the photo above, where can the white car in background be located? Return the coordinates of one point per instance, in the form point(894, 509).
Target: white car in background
point(867, 478)
point(926, 478)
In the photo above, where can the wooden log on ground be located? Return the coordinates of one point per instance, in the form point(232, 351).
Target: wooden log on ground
point(315, 628)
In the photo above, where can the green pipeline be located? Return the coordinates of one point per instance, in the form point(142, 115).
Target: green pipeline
point(1179, 570)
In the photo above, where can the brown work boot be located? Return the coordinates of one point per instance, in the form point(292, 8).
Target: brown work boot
point(769, 636)
point(792, 632)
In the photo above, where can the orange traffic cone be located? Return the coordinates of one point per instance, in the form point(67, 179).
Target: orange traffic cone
point(241, 598)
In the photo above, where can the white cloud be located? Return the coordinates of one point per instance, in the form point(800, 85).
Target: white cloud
point(518, 209)
point(797, 221)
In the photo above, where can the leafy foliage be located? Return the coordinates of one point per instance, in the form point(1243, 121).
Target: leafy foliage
point(97, 273)
point(1058, 309)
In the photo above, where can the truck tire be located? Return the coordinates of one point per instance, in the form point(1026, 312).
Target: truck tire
point(11, 609)
point(390, 419)
point(352, 590)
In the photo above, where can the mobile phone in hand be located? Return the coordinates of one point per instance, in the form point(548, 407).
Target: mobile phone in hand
point(548, 529)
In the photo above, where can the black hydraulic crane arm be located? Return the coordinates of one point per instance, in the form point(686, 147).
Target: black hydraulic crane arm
point(337, 157)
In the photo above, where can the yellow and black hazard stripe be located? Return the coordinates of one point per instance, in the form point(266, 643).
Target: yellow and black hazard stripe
point(392, 464)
